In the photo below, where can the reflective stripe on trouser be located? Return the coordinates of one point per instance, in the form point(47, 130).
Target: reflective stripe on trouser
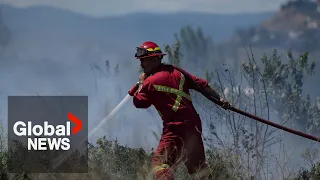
point(161, 167)
point(179, 92)
point(183, 144)
point(163, 172)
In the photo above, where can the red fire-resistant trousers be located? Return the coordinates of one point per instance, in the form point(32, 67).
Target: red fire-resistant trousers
point(180, 142)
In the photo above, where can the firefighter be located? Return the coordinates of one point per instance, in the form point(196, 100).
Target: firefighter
point(167, 89)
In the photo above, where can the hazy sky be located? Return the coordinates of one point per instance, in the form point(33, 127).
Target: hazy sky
point(116, 7)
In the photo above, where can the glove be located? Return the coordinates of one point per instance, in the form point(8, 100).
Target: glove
point(225, 104)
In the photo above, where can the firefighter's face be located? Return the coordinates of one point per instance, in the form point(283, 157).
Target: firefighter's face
point(148, 64)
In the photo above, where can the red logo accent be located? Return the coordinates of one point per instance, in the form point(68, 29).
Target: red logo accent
point(76, 121)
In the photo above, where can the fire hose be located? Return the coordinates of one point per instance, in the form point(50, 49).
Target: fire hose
point(218, 102)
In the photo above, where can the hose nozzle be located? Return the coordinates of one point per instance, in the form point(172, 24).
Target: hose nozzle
point(133, 89)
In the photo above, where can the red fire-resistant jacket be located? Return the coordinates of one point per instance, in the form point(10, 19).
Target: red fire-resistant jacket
point(168, 90)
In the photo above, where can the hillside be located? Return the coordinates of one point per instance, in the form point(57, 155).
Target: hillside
point(295, 26)
point(61, 29)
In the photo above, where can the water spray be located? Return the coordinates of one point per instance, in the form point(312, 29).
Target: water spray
point(58, 162)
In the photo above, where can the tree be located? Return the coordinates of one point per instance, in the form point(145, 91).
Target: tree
point(195, 47)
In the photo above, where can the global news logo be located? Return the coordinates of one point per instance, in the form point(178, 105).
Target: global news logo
point(40, 137)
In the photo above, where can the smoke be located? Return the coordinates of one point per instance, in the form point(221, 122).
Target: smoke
point(104, 89)
point(33, 64)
